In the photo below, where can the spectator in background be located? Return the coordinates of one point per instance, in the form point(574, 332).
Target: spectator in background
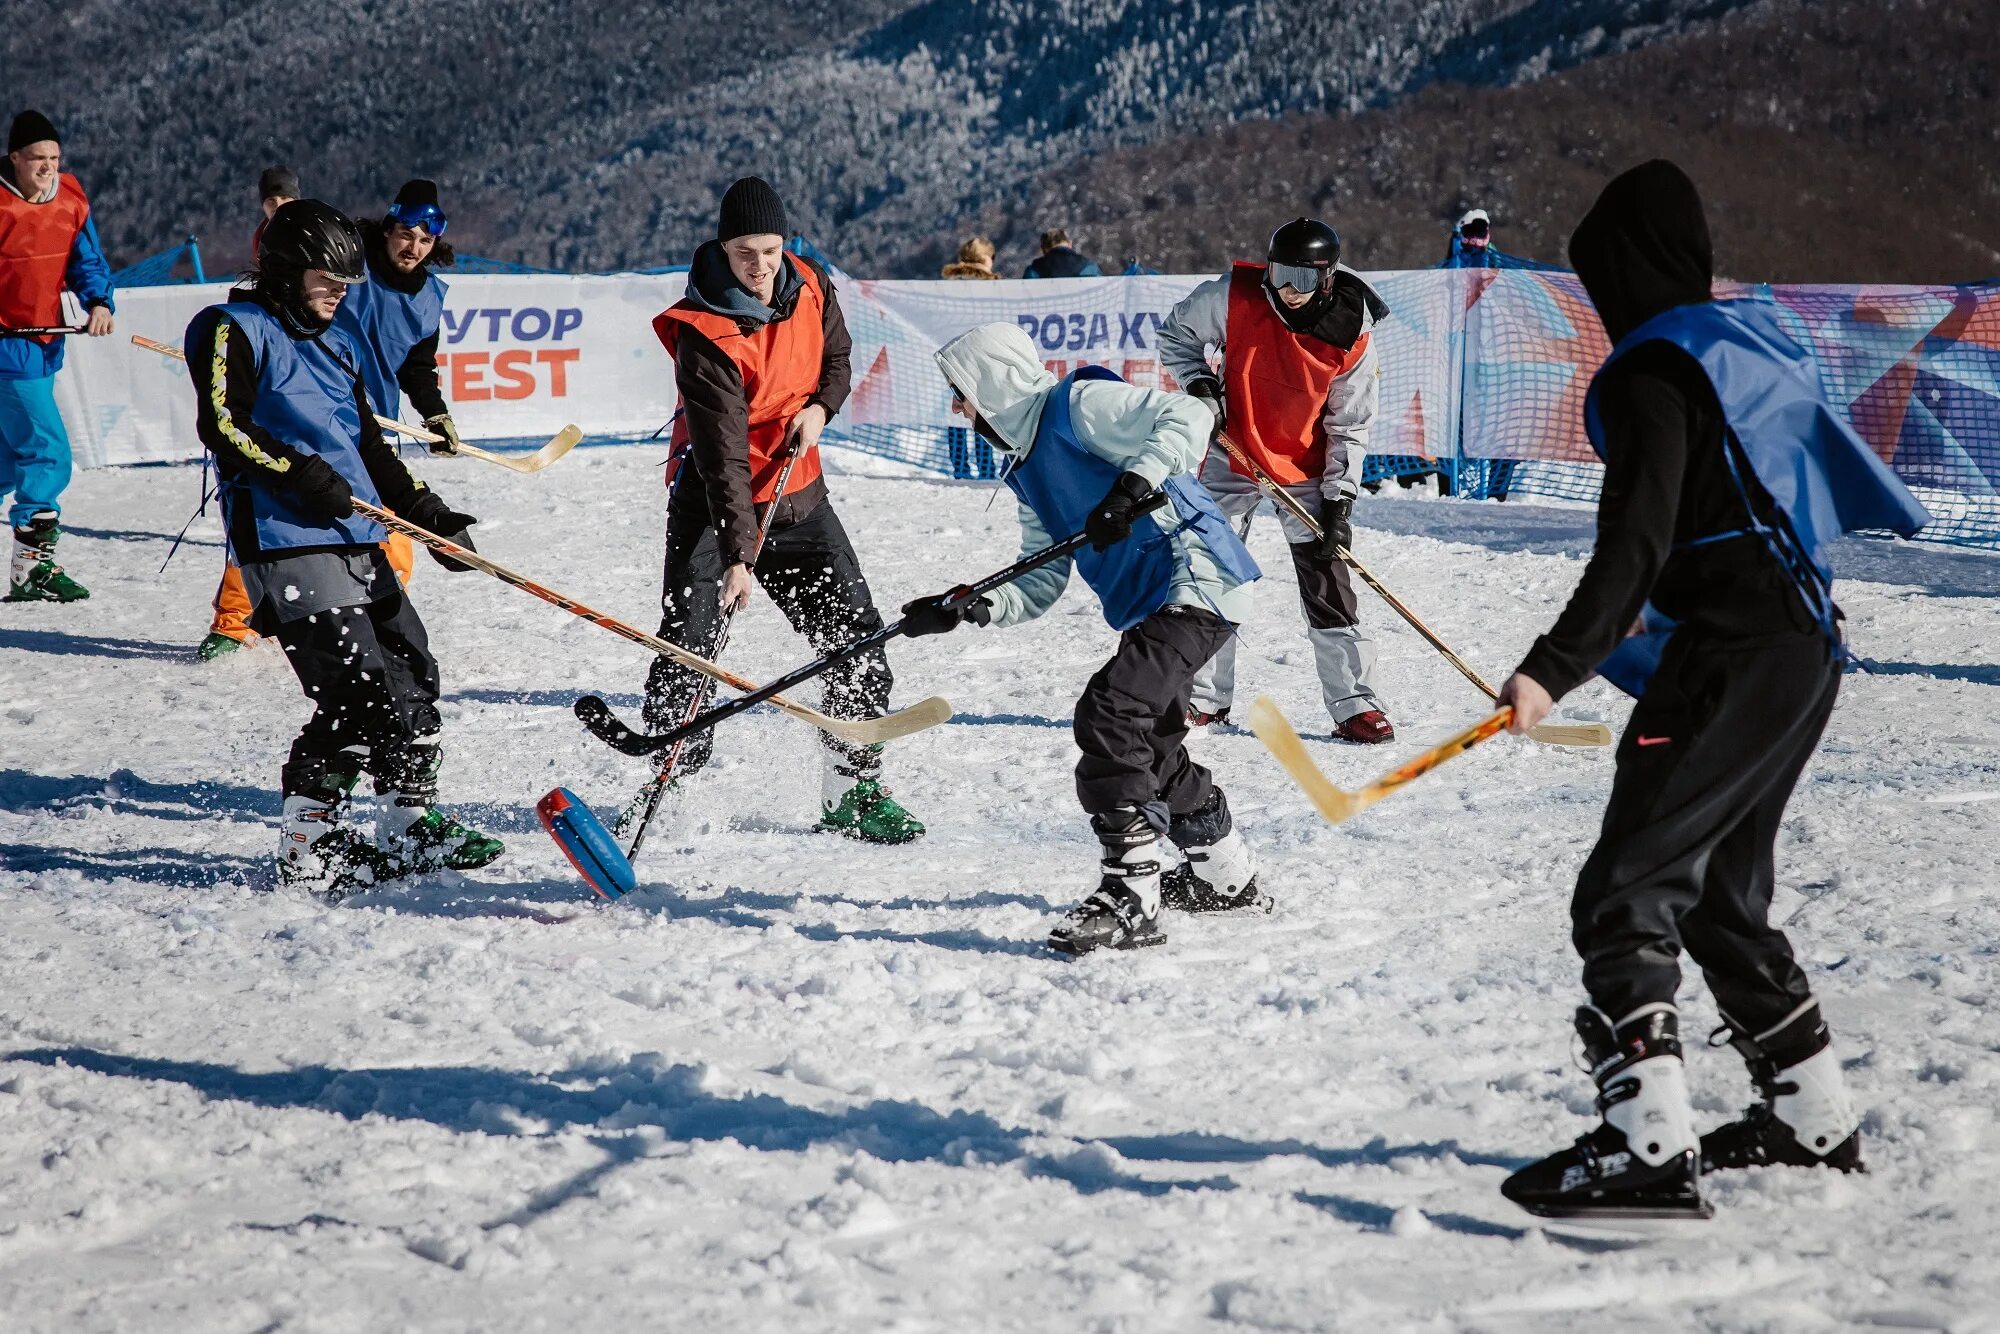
point(975, 260)
point(1060, 259)
point(277, 186)
point(1470, 237)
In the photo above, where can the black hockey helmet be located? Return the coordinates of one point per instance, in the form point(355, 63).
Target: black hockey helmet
point(308, 234)
point(1302, 255)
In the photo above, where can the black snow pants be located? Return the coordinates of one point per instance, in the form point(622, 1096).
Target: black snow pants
point(1131, 721)
point(811, 572)
point(369, 673)
point(1684, 861)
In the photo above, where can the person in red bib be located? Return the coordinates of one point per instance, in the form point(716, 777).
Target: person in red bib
point(761, 354)
point(47, 244)
point(1296, 392)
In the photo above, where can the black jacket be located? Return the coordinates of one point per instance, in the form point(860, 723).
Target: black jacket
point(1642, 249)
point(718, 410)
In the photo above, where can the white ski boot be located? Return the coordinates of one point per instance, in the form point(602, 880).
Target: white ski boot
point(1641, 1162)
point(1124, 911)
point(317, 851)
point(1806, 1118)
point(1217, 871)
point(411, 833)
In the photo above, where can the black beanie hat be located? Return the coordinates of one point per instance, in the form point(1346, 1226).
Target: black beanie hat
point(751, 208)
point(418, 193)
point(279, 182)
point(30, 127)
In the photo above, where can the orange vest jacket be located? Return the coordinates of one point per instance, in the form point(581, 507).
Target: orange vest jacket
point(1276, 383)
point(780, 366)
point(35, 244)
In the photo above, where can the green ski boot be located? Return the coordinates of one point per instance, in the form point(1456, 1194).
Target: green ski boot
point(216, 645)
point(853, 802)
point(413, 833)
point(34, 575)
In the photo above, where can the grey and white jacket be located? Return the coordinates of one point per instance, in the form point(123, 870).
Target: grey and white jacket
point(1201, 321)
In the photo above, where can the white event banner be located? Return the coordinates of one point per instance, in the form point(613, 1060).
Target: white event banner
point(522, 355)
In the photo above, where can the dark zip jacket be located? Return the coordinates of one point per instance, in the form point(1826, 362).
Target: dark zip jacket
point(718, 413)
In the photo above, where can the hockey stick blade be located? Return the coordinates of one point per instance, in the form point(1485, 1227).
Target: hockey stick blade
point(1336, 805)
point(1571, 734)
point(560, 444)
point(605, 725)
point(1271, 727)
point(602, 723)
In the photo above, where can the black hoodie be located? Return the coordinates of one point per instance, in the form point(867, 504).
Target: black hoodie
point(1644, 248)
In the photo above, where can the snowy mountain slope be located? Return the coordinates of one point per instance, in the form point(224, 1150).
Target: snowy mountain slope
point(806, 1084)
point(600, 135)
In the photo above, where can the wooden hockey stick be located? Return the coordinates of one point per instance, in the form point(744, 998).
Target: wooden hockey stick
point(1552, 734)
point(560, 444)
point(1335, 804)
point(863, 731)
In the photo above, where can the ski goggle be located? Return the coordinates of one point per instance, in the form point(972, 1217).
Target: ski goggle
point(1476, 230)
point(1301, 278)
point(429, 217)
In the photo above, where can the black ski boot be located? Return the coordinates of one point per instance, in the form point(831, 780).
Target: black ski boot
point(318, 852)
point(1805, 1119)
point(1217, 872)
point(1124, 912)
point(1641, 1161)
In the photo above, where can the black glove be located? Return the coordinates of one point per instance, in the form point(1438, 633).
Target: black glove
point(320, 491)
point(1209, 390)
point(443, 425)
point(934, 616)
point(1336, 525)
point(427, 511)
point(1111, 522)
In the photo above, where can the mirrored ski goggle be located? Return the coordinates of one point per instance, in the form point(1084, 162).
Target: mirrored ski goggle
point(429, 217)
point(1301, 278)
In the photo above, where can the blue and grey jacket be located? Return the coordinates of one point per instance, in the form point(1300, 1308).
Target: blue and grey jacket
point(1106, 427)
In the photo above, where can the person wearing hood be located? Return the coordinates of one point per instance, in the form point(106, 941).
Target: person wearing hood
point(1726, 470)
point(281, 404)
point(394, 320)
point(761, 359)
point(48, 243)
point(1297, 392)
point(1083, 453)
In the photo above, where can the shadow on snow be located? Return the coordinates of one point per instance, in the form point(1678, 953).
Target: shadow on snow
point(648, 1092)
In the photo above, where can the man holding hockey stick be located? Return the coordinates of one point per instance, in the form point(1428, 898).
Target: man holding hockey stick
point(1726, 470)
point(1084, 453)
point(48, 242)
point(394, 320)
point(760, 352)
point(1297, 393)
point(281, 405)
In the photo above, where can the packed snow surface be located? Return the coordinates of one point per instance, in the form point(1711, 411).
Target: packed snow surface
point(805, 1084)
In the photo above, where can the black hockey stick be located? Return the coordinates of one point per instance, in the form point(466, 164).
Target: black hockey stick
point(596, 715)
point(656, 787)
point(44, 331)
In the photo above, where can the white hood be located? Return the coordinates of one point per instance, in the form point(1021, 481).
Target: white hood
point(997, 370)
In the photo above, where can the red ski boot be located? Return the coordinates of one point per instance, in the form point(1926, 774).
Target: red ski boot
point(1368, 729)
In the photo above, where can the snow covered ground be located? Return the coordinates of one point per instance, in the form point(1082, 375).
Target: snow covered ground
point(805, 1084)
